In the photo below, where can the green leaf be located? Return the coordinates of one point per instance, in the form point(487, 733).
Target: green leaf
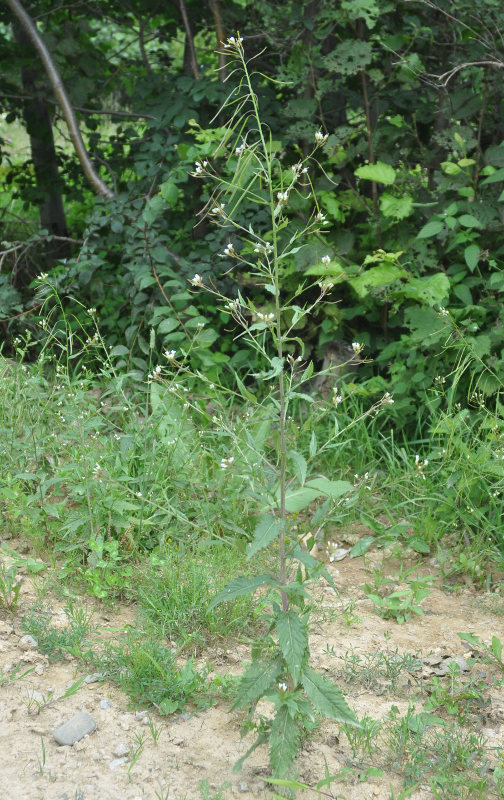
point(471, 255)
point(169, 192)
point(327, 698)
point(300, 465)
point(362, 546)
point(396, 207)
point(266, 531)
point(168, 325)
point(471, 638)
point(297, 499)
point(376, 276)
point(243, 390)
point(283, 742)
point(242, 586)
point(496, 648)
point(468, 221)
point(418, 544)
point(258, 679)
point(379, 172)
point(284, 738)
point(432, 228)
point(330, 488)
point(293, 640)
point(313, 445)
point(496, 177)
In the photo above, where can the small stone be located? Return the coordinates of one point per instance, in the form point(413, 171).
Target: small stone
point(117, 762)
point(75, 729)
point(121, 750)
point(27, 642)
point(105, 703)
point(243, 787)
point(139, 716)
point(94, 678)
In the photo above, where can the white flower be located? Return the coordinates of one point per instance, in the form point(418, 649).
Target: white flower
point(197, 280)
point(91, 311)
point(239, 150)
point(320, 138)
point(139, 494)
point(42, 276)
point(218, 209)
point(326, 260)
point(326, 286)
point(357, 347)
point(170, 354)
point(229, 250)
point(282, 686)
point(283, 197)
point(321, 218)
point(444, 312)
point(226, 462)
point(267, 318)
point(336, 398)
point(387, 399)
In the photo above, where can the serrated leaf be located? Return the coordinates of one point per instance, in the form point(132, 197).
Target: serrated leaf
point(396, 207)
point(362, 546)
point(293, 640)
point(432, 228)
point(266, 531)
point(260, 740)
point(327, 698)
point(258, 679)
point(330, 488)
point(283, 742)
point(242, 586)
point(313, 445)
point(379, 172)
point(468, 221)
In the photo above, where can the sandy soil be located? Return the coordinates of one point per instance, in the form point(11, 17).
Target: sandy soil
point(192, 748)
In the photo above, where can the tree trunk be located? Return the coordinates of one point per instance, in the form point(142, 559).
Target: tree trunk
point(45, 163)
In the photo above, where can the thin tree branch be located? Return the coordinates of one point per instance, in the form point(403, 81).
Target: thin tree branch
point(59, 90)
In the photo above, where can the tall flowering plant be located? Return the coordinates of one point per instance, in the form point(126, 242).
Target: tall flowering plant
point(280, 670)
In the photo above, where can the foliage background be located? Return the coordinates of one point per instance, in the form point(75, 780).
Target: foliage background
point(410, 180)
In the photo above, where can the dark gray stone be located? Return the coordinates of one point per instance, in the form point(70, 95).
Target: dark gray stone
point(75, 729)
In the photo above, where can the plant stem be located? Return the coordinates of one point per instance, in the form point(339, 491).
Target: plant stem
point(282, 454)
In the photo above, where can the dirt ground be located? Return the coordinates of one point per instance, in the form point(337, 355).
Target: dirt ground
point(204, 746)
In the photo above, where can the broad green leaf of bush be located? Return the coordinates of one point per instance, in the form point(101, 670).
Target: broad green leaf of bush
point(256, 682)
point(293, 640)
point(471, 255)
point(396, 207)
point(379, 172)
point(283, 742)
point(431, 228)
point(299, 462)
point(267, 530)
point(327, 698)
point(376, 276)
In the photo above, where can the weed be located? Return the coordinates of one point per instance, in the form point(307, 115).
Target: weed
point(55, 642)
point(491, 651)
point(401, 603)
point(459, 699)
point(379, 671)
point(154, 731)
point(10, 586)
point(148, 672)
